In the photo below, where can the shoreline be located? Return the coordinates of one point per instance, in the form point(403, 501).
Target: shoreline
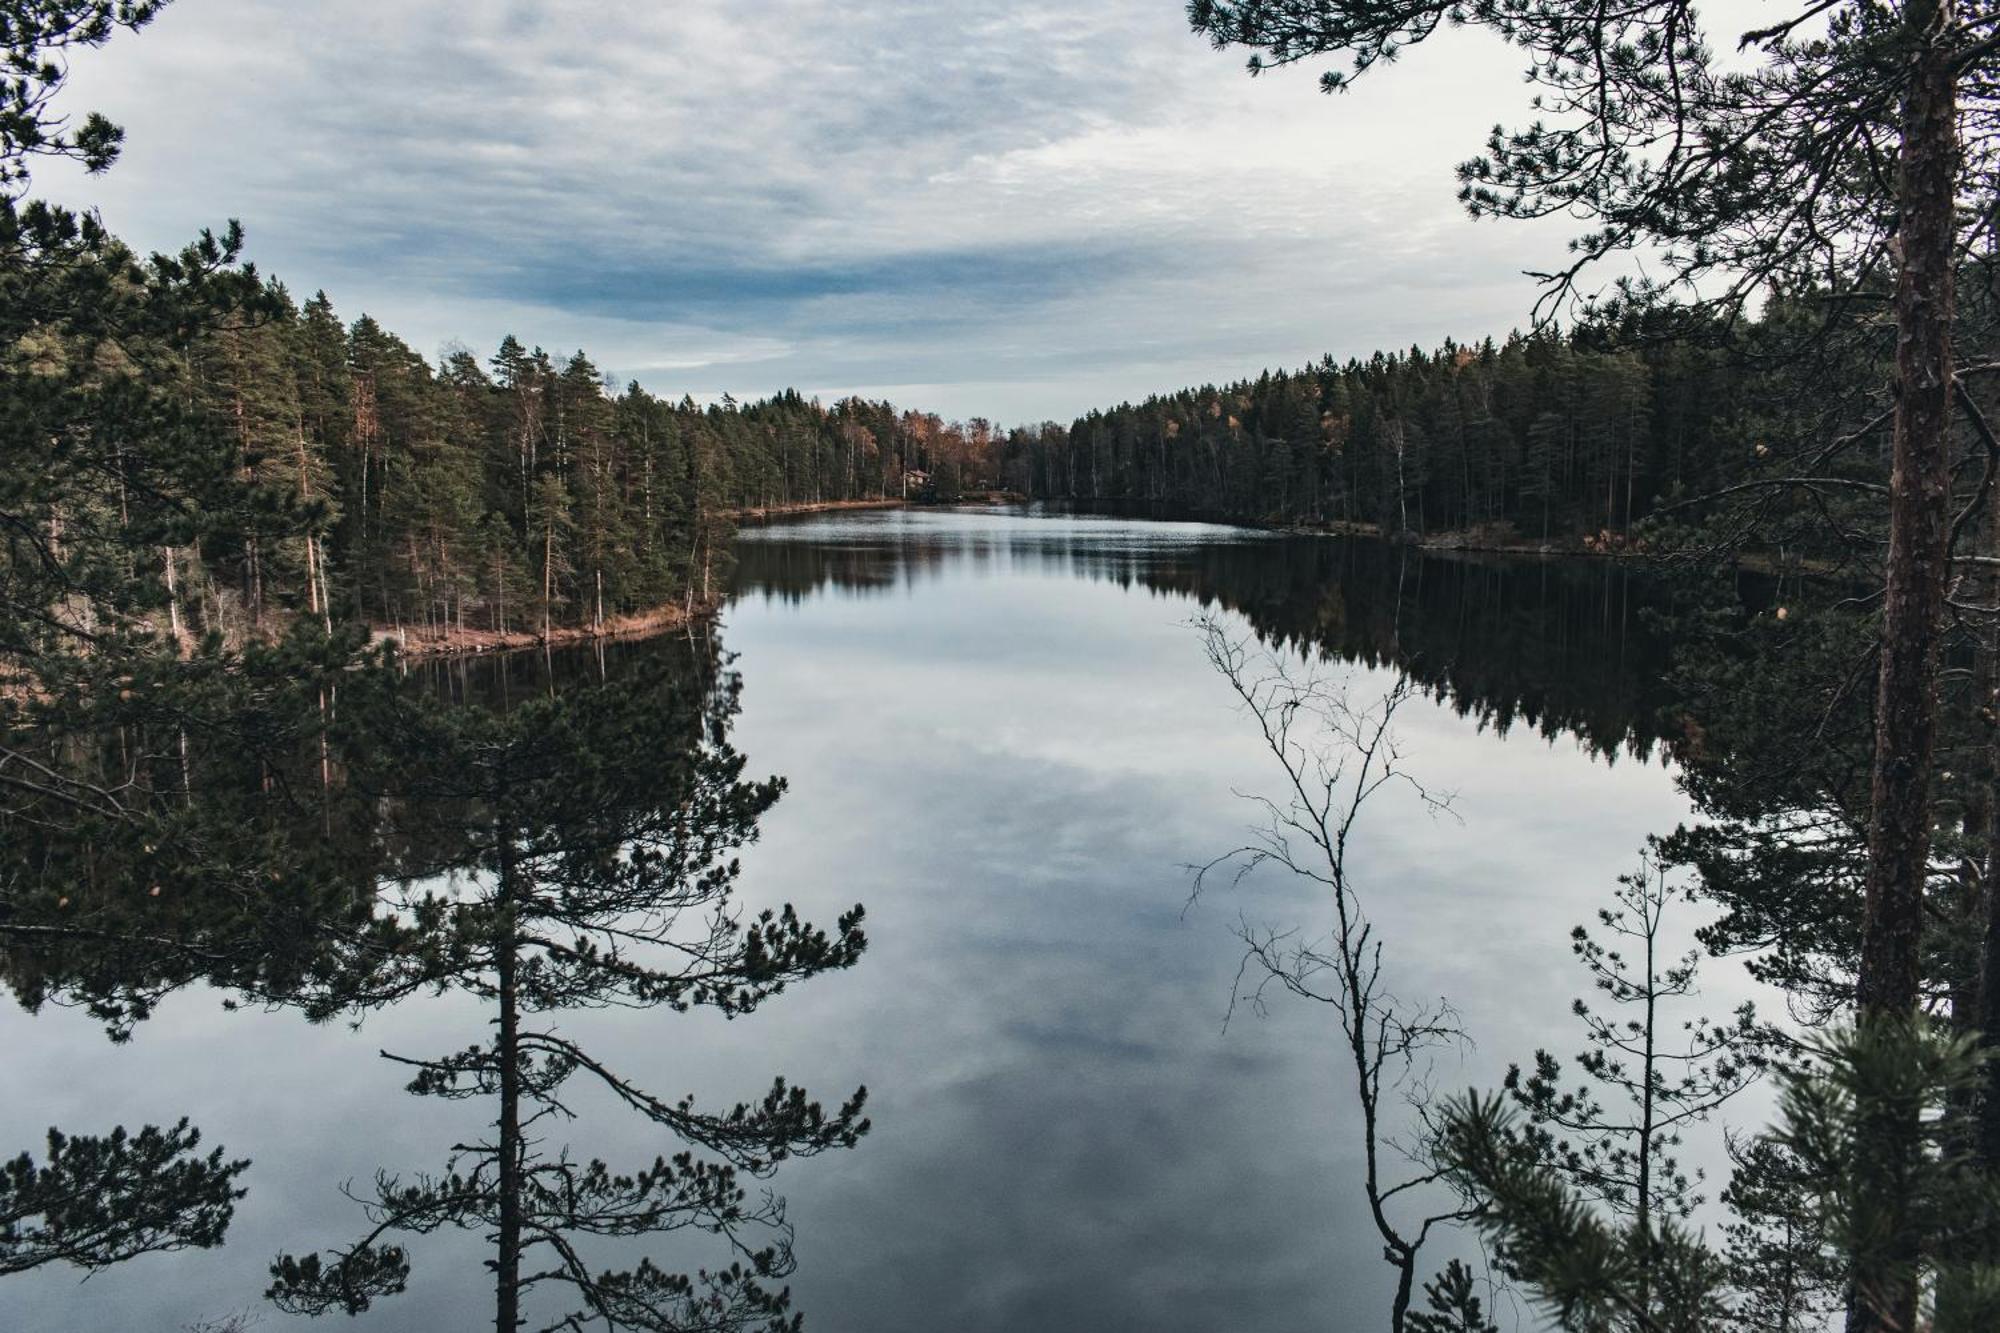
point(1466, 542)
point(764, 513)
point(478, 642)
point(1604, 545)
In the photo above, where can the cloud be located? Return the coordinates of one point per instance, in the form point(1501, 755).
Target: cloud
point(1028, 212)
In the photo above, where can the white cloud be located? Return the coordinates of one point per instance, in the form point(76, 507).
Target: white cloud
point(737, 196)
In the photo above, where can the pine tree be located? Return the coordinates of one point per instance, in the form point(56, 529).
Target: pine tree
point(549, 524)
point(1740, 181)
point(92, 1202)
point(602, 827)
point(1660, 1073)
point(109, 478)
point(1451, 1304)
point(1779, 1254)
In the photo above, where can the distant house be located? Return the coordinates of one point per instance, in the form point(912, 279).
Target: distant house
point(916, 481)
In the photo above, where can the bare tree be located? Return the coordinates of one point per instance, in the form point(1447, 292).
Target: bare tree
point(1336, 756)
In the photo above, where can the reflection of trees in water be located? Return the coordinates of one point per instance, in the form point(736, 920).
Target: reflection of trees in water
point(231, 852)
point(1554, 645)
point(544, 834)
point(187, 833)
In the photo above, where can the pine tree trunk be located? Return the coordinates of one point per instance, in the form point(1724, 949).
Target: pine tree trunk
point(1899, 834)
point(1906, 723)
point(315, 600)
point(507, 1260)
point(1987, 1020)
point(325, 753)
point(1644, 1202)
point(256, 583)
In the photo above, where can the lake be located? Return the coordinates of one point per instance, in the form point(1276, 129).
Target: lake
point(1000, 733)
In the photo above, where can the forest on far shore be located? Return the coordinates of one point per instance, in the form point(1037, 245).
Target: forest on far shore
point(524, 494)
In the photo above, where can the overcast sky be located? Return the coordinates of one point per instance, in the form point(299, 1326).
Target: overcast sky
point(1017, 210)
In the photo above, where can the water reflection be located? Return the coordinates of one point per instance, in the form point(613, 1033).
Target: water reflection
point(999, 733)
point(1559, 646)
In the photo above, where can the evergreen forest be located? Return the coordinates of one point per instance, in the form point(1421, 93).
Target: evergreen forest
point(524, 494)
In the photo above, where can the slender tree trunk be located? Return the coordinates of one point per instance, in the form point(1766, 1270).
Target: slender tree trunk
point(173, 598)
point(1987, 1143)
point(255, 571)
point(1644, 1203)
point(1906, 706)
point(256, 583)
point(1406, 1273)
point(507, 1260)
point(315, 598)
point(424, 595)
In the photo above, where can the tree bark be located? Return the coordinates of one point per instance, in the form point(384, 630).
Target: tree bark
point(1906, 704)
point(173, 600)
point(1899, 833)
point(1987, 1020)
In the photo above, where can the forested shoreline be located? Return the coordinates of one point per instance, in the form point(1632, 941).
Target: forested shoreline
point(520, 498)
point(1564, 440)
point(1545, 437)
point(528, 497)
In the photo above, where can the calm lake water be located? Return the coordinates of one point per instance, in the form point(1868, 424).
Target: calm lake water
point(1001, 735)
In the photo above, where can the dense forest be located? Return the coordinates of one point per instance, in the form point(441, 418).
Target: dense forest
point(520, 494)
point(527, 493)
point(1556, 437)
point(1549, 435)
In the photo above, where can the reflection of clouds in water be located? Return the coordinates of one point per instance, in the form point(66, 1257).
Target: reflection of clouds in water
point(311, 1107)
point(1057, 751)
point(876, 551)
point(1557, 646)
point(1010, 772)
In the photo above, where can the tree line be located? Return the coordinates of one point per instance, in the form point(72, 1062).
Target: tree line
point(1543, 437)
point(525, 493)
point(519, 494)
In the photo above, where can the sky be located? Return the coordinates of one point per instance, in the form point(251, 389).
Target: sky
point(1018, 211)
